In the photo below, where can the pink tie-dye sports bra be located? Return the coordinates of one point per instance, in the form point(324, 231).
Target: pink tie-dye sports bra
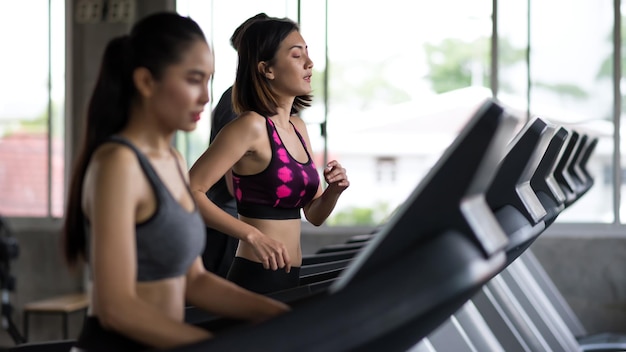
point(282, 189)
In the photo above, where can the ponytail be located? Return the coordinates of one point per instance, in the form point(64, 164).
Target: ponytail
point(107, 114)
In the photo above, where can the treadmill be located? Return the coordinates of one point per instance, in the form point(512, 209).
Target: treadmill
point(543, 182)
point(435, 253)
point(511, 196)
point(561, 173)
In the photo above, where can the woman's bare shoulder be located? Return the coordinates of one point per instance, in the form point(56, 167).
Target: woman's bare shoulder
point(113, 155)
point(247, 123)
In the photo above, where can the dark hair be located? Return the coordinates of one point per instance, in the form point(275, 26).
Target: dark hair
point(260, 42)
point(236, 37)
point(155, 42)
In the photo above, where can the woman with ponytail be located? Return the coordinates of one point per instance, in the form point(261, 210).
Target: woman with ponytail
point(130, 213)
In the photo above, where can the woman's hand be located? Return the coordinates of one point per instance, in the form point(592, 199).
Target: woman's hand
point(271, 253)
point(336, 177)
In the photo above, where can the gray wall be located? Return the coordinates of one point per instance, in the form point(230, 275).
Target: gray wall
point(590, 272)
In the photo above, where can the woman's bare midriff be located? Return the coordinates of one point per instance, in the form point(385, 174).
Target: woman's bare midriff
point(285, 231)
point(165, 295)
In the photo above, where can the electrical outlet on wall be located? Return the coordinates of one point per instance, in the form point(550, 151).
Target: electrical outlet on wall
point(89, 11)
point(120, 11)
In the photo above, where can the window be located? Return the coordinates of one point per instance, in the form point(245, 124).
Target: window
point(32, 70)
point(571, 84)
point(386, 170)
point(402, 79)
point(512, 64)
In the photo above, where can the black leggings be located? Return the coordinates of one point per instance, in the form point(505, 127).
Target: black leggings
point(95, 338)
point(252, 276)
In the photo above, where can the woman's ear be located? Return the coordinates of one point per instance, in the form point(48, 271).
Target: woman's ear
point(265, 70)
point(143, 80)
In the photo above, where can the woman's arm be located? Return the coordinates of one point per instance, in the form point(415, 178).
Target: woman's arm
point(239, 137)
point(114, 187)
point(322, 205)
point(224, 298)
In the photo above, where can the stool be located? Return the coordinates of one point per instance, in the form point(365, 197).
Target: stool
point(63, 305)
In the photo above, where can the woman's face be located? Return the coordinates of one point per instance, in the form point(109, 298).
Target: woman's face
point(292, 68)
point(182, 92)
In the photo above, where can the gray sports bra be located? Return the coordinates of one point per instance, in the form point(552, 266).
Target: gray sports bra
point(172, 238)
